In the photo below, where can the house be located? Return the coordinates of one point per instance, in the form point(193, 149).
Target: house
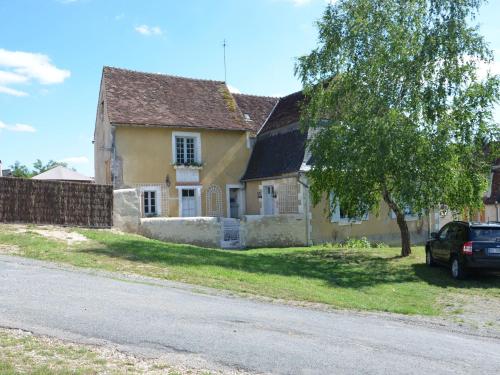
point(184, 143)
point(61, 173)
point(195, 150)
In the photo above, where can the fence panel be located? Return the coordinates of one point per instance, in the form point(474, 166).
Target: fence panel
point(55, 202)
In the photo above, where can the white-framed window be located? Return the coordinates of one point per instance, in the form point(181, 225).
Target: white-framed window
point(189, 201)
point(410, 215)
point(339, 215)
point(186, 148)
point(151, 201)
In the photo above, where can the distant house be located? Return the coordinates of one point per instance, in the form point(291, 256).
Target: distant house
point(4, 172)
point(61, 173)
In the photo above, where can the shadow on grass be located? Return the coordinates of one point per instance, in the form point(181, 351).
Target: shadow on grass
point(441, 277)
point(341, 268)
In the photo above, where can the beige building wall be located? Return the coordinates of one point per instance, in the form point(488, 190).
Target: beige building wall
point(144, 155)
point(102, 144)
point(251, 195)
point(379, 227)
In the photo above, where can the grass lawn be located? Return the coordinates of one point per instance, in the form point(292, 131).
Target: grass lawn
point(23, 353)
point(365, 279)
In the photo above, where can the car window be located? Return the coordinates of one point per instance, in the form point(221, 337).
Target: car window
point(444, 232)
point(452, 233)
point(485, 234)
point(462, 233)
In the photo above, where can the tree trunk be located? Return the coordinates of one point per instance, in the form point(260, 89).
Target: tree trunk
point(400, 219)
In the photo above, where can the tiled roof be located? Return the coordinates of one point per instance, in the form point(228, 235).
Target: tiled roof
point(162, 100)
point(257, 108)
point(276, 155)
point(280, 145)
point(286, 112)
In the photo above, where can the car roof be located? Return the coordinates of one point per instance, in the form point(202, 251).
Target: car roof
point(475, 224)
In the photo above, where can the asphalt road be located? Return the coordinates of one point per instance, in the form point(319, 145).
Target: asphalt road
point(223, 331)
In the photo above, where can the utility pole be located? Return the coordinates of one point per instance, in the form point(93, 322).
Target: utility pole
point(224, 45)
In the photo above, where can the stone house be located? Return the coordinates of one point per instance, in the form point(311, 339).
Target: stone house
point(212, 167)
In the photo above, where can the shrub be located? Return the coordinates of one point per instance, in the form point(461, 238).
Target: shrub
point(358, 243)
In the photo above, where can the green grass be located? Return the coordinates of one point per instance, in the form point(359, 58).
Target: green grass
point(364, 279)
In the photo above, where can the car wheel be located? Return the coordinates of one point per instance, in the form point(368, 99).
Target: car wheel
point(457, 269)
point(429, 259)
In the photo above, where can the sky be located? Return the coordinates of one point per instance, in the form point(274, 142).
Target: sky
point(52, 53)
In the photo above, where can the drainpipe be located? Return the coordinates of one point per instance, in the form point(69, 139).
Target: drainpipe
point(306, 209)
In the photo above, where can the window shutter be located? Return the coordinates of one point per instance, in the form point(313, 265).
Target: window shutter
point(335, 218)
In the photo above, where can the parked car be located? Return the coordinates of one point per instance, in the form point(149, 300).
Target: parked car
point(465, 246)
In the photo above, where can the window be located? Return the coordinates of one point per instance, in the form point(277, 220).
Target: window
point(185, 150)
point(339, 215)
point(150, 201)
point(410, 214)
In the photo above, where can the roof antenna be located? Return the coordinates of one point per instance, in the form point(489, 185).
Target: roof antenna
point(224, 45)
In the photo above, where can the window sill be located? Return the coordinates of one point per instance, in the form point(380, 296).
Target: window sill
point(194, 167)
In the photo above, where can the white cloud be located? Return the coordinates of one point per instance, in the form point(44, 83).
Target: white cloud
point(13, 92)
point(22, 128)
point(75, 160)
point(233, 89)
point(21, 67)
point(148, 30)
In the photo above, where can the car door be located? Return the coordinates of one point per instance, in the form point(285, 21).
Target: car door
point(439, 246)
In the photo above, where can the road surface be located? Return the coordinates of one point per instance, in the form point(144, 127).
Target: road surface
point(220, 331)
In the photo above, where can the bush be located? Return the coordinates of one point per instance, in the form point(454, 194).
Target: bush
point(358, 243)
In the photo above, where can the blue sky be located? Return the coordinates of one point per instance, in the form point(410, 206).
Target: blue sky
point(52, 53)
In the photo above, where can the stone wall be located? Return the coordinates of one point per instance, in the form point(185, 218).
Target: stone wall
point(273, 231)
point(201, 231)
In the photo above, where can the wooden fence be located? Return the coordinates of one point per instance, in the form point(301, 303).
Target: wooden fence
point(55, 202)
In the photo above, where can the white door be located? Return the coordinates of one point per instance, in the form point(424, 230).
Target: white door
point(188, 203)
point(268, 199)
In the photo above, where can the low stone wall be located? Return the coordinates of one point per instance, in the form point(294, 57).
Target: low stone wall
point(201, 231)
point(273, 231)
point(126, 210)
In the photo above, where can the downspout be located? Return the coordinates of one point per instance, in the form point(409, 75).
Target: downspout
point(306, 209)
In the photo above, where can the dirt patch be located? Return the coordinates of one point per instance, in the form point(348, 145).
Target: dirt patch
point(10, 249)
point(476, 311)
point(53, 233)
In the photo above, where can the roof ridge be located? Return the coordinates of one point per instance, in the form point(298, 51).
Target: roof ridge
point(256, 96)
point(162, 74)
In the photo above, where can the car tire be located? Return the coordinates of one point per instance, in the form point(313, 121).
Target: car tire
point(429, 259)
point(458, 271)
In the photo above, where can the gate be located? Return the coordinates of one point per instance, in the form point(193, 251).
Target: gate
point(230, 234)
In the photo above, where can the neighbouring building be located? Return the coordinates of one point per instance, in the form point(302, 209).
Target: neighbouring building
point(492, 199)
point(195, 151)
point(61, 173)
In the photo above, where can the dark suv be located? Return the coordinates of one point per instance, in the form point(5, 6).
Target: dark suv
point(463, 246)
